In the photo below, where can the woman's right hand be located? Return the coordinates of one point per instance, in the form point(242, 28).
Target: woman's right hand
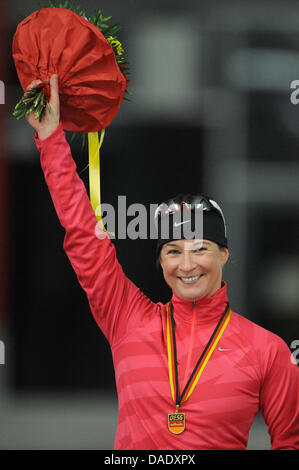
point(50, 119)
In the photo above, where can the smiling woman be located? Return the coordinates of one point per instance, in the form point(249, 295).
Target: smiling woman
point(193, 270)
point(161, 352)
point(192, 267)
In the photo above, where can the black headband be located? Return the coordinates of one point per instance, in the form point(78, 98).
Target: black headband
point(179, 218)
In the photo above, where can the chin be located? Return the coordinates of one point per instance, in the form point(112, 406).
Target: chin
point(196, 294)
point(190, 296)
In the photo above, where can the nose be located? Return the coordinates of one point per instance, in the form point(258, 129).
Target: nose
point(187, 262)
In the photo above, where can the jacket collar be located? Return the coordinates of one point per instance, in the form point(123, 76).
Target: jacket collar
point(207, 309)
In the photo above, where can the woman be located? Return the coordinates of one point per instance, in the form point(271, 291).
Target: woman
point(191, 374)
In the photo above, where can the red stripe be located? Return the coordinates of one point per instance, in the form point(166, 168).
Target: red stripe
point(207, 352)
point(172, 351)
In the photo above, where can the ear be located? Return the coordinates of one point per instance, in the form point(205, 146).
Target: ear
point(224, 255)
point(158, 263)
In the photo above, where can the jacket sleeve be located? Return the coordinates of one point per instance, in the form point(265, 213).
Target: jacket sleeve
point(280, 396)
point(116, 303)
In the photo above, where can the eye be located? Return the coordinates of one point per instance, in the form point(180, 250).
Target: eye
point(173, 251)
point(197, 250)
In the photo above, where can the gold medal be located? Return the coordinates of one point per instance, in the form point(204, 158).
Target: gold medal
point(176, 422)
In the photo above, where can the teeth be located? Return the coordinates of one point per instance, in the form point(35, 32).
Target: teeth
point(190, 279)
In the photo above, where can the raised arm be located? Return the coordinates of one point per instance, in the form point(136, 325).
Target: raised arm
point(114, 300)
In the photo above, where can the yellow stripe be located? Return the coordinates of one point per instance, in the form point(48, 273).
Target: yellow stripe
point(208, 356)
point(94, 173)
point(169, 352)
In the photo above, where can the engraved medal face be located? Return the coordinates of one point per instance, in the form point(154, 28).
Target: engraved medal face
point(176, 422)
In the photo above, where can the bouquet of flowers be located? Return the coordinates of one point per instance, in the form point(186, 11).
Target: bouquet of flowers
point(87, 56)
point(89, 60)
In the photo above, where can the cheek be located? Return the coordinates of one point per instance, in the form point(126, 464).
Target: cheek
point(169, 268)
point(212, 265)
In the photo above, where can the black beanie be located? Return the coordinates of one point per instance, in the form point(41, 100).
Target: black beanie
point(179, 218)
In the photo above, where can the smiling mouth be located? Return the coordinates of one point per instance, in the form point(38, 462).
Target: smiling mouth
point(190, 280)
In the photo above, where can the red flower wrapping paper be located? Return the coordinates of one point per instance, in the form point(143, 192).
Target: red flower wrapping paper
point(91, 85)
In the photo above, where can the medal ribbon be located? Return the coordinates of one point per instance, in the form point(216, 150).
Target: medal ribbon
point(202, 361)
point(94, 146)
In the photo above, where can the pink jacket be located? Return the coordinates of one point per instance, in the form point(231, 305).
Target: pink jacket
point(249, 370)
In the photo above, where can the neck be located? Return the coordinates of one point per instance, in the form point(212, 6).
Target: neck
point(207, 309)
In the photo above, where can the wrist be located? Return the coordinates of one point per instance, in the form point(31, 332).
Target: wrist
point(42, 143)
point(44, 133)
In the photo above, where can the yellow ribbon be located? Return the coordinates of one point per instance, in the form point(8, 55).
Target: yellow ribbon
point(94, 145)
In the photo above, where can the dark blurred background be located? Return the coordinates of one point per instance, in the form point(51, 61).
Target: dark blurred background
point(211, 113)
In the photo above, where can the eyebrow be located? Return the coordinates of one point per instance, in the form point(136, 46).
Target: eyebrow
point(196, 242)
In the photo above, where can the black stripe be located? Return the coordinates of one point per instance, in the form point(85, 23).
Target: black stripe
point(202, 355)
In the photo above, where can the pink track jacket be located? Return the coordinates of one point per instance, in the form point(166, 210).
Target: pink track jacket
point(250, 369)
